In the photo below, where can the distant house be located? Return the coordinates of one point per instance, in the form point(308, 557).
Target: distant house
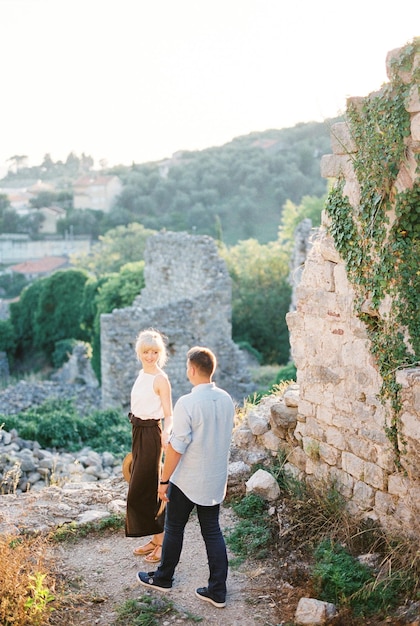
point(51, 216)
point(96, 192)
point(40, 267)
point(20, 197)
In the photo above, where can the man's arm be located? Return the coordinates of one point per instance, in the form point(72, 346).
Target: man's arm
point(171, 461)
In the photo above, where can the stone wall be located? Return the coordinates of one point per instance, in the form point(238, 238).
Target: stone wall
point(339, 433)
point(187, 297)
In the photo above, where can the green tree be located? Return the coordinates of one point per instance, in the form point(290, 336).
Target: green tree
point(11, 284)
point(7, 337)
point(82, 222)
point(260, 297)
point(113, 291)
point(119, 246)
point(58, 311)
point(22, 316)
point(310, 207)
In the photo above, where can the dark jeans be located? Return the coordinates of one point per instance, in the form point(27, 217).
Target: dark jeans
point(178, 510)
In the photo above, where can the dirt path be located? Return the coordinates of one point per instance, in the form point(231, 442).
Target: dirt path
point(102, 571)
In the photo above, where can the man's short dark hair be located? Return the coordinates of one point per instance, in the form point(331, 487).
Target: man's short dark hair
point(203, 359)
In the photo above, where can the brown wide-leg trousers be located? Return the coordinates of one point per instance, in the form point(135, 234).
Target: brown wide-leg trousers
point(145, 513)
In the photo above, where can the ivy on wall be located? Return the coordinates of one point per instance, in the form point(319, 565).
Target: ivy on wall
point(380, 242)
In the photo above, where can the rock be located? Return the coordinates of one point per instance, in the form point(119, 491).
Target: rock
point(263, 484)
point(311, 612)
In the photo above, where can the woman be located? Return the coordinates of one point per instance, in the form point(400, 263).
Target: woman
point(151, 401)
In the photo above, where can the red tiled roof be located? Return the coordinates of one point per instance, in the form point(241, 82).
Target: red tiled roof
point(40, 266)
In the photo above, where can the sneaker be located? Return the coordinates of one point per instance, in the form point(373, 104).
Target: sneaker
point(147, 579)
point(203, 594)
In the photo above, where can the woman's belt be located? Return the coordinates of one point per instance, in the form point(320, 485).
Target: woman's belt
point(137, 421)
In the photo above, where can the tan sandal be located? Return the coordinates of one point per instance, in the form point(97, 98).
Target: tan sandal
point(156, 555)
point(146, 549)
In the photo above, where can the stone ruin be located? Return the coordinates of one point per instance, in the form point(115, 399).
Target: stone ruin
point(187, 296)
point(339, 429)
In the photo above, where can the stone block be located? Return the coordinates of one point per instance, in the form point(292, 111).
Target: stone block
point(351, 189)
point(384, 503)
point(408, 170)
point(291, 396)
point(319, 473)
point(298, 458)
point(336, 165)
point(243, 438)
point(363, 495)
point(328, 454)
point(340, 279)
point(327, 249)
point(341, 140)
point(282, 418)
point(294, 472)
point(324, 414)
point(353, 465)
point(374, 476)
point(415, 127)
point(270, 441)
point(362, 448)
point(335, 438)
point(413, 100)
point(398, 485)
point(344, 482)
point(314, 429)
point(258, 423)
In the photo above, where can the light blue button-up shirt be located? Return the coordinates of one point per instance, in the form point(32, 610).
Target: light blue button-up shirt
point(202, 432)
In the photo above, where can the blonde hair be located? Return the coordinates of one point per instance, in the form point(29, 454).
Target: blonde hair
point(151, 338)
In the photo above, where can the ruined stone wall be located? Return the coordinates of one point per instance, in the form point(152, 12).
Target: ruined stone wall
point(187, 297)
point(339, 433)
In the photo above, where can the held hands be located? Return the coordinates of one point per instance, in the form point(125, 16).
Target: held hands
point(162, 489)
point(165, 439)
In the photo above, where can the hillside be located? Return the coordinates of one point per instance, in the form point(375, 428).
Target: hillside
point(232, 192)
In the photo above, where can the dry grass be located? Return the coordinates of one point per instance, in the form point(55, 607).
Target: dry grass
point(26, 582)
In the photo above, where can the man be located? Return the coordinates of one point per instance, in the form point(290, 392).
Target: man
point(195, 474)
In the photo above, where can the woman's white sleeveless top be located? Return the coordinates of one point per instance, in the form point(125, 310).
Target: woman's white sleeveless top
point(145, 403)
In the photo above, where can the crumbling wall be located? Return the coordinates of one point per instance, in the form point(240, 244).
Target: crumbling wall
point(187, 296)
point(340, 430)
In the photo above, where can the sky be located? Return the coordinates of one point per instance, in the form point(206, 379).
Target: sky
point(137, 80)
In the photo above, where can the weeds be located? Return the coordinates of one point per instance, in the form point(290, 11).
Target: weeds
point(73, 532)
point(315, 520)
point(10, 479)
point(26, 583)
point(149, 611)
point(253, 534)
point(342, 579)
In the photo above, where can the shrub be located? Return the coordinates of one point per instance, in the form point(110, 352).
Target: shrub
point(62, 351)
point(57, 424)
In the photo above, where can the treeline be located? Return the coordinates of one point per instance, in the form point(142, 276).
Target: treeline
point(232, 193)
point(54, 312)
